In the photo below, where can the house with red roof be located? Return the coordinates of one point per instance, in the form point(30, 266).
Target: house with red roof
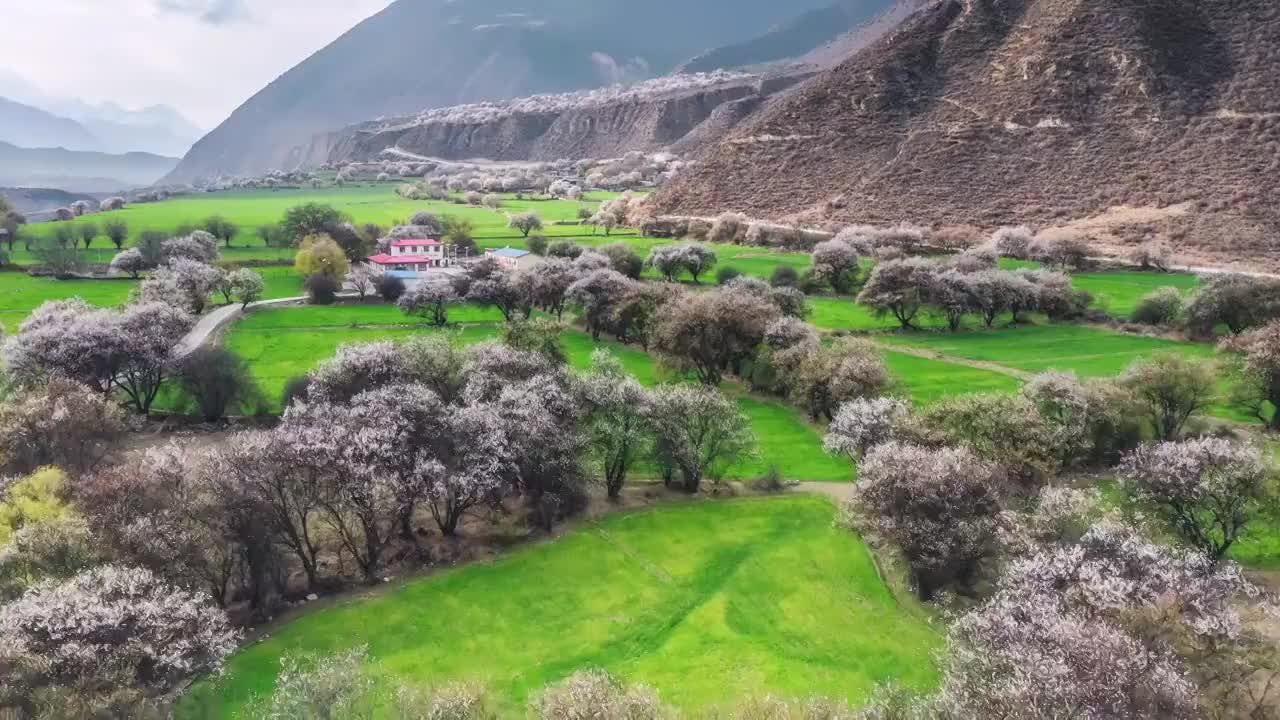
point(413, 255)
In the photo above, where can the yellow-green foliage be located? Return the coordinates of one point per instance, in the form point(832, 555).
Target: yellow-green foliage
point(320, 255)
point(33, 499)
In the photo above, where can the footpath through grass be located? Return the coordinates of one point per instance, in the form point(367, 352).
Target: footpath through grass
point(710, 603)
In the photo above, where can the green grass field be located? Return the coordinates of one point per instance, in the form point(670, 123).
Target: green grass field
point(21, 293)
point(709, 603)
point(1087, 351)
point(282, 343)
point(1118, 292)
point(926, 380)
point(376, 203)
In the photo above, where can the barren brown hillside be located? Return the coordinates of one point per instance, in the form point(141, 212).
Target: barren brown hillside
point(993, 112)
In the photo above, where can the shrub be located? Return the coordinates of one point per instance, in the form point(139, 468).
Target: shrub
point(623, 259)
point(726, 274)
point(1162, 306)
point(784, 276)
point(565, 249)
point(389, 287)
point(322, 289)
point(216, 379)
point(597, 695)
point(297, 387)
point(537, 244)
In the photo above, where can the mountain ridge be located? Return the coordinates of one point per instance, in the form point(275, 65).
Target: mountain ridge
point(473, 52)
point(994, 112)
point(80, 171)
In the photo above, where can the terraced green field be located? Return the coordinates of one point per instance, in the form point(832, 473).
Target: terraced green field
point(709, 603)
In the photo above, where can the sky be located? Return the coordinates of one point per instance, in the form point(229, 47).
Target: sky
point(202, 57)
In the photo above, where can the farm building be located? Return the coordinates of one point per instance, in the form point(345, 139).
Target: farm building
point(513, 258)
point(413, 255)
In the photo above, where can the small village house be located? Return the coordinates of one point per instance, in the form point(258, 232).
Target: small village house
point(415, 255)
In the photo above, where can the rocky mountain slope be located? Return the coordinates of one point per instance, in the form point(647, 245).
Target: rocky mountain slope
point(679, 112)
point(420, 54)
point(992, 112)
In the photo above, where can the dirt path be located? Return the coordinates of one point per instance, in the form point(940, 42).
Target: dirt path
point(941, 357)
point(839, 492)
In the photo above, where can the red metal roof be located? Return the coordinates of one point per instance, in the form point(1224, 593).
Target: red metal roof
point(415, 242)
point(385, 259)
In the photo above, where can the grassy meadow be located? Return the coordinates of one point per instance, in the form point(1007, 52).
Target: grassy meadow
point(706, 602)
point(282, 343)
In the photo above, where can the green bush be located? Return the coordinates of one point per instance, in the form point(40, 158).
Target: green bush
point(1162, 306)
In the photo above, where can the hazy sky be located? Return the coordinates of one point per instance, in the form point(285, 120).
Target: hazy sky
point(203, 57)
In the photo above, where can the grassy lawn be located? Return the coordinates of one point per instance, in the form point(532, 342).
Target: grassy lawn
point(21, 293)
point(1088, 351)
point(926, 380)
point(709, 603)
point(1118, 292)
point(282, 343)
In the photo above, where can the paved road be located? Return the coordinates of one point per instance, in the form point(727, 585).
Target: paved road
point(209, 324)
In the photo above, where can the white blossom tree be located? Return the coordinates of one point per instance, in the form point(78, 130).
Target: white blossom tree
point(182, 282)
point(938, 506)
point(1208, 490)
point(836, 262)
point(617, 410)
point(107, 629)
point(525, 223)
point(430, 301)
point(131, 262)
point(700, 432)
point(863, 424)
point(247, 286)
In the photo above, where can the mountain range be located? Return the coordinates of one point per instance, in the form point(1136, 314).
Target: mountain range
point(79, 171)
point(33, 118)
point(419, 54)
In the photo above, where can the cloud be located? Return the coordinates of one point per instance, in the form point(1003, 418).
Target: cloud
point(213, 12)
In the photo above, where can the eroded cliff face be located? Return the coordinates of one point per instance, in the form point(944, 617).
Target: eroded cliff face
point(688, 120)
